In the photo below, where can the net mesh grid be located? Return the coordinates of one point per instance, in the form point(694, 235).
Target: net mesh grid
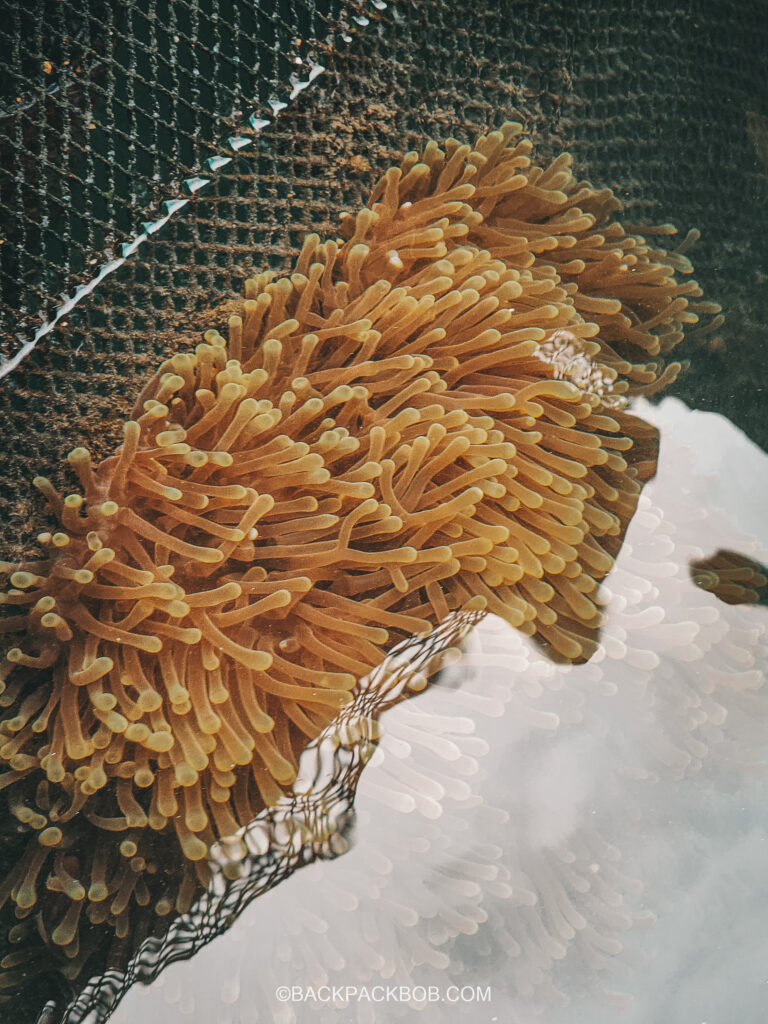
point(664, 103)
point(106, 109)
point(89, 363)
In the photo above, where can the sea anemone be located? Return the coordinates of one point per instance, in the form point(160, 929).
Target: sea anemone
point(731, 576)
point(542, 889)
point(425, 416)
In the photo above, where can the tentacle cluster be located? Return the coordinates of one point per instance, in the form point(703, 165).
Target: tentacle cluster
point(425, 416)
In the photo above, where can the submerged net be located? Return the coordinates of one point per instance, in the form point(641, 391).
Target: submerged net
point(666, 106)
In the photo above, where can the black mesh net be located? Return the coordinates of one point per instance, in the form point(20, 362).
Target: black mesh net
point(664, 103)
point(105, 110)
point(188, 126)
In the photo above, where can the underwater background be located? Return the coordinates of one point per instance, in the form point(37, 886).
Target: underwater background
point(248, 126)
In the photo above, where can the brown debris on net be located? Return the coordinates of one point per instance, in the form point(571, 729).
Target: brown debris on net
point(426, 416)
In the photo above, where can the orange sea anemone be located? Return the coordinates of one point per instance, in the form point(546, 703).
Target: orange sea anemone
point(423, 417)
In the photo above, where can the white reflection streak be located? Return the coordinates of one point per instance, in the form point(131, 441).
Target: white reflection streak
point(193, 184)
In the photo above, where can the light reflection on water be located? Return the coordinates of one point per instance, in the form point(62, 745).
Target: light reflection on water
point(588, 840)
